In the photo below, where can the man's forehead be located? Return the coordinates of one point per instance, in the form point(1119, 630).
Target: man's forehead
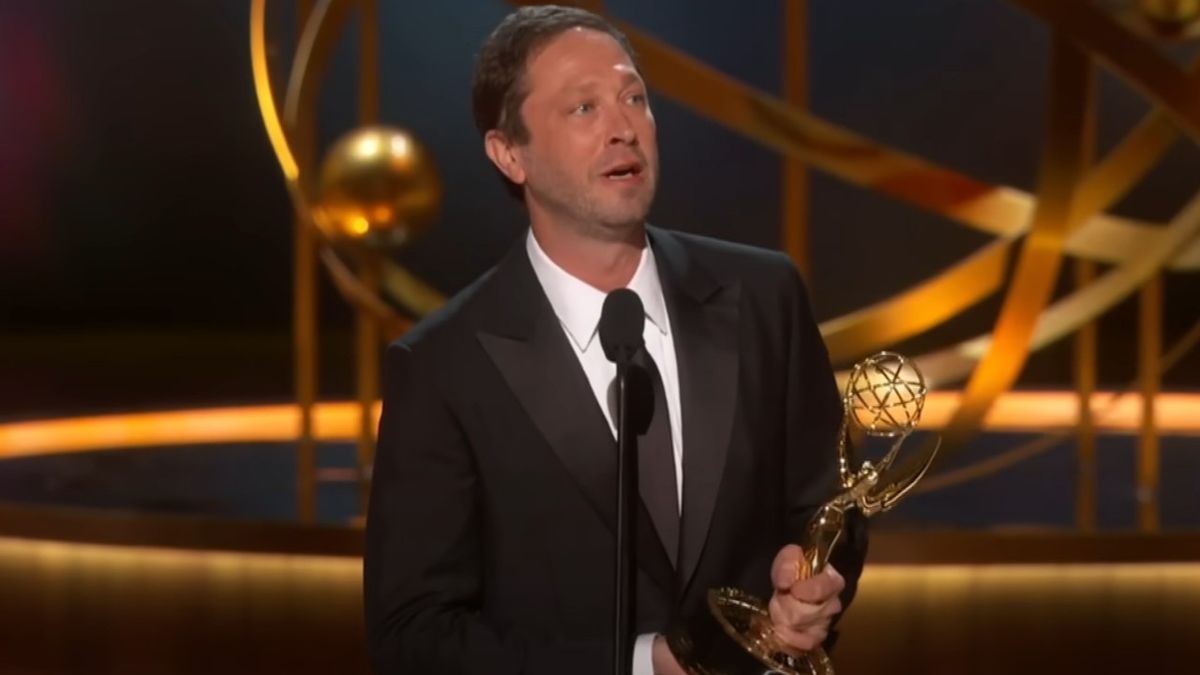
point(582, 48)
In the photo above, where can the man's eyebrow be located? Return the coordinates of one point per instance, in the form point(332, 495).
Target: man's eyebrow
point(580, 86)
point(631, 77)
point(583, 86)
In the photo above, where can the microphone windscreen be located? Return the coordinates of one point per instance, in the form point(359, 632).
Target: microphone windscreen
point(621, 323)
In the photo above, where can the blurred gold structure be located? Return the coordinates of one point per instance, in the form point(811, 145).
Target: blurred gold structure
point(148, 592)
point(1034, 233)
point(1171, 12)
point(377, 188)
point(377, 185)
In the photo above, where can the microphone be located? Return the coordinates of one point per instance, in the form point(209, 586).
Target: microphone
point(621, 322)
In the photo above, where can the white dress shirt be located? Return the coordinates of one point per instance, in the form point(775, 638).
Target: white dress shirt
point(577, 306)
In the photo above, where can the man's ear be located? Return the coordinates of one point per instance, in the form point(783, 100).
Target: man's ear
point(504, 155)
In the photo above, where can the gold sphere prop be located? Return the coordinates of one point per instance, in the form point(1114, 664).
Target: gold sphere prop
point(378, 185)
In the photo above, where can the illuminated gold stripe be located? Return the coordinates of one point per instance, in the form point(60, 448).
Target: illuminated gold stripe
point(1048, 440)
point(1149, 454)
point(918, 308)
point(234, 570)
point(331, 421)
point(946, 366)
point(1085, 376)
point(1021, 615)
point(1071, 127)
point(367, 326)
point(229, 571)
point(368, 347)
point(881, 579)
point(1116, 174)
point(1024, 411)
point(303, 133)
point(339, 421)
point(223, 563)
point(955, 579)
point(262, 89)
point(968, 281)
point(316, 44)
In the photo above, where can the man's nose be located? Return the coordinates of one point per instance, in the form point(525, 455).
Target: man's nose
point(620, 129)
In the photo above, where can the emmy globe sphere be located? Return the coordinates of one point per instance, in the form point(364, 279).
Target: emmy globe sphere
point(885, 395)
point(378, 186)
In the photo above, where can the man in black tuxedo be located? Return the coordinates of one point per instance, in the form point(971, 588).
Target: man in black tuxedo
point(490, 529)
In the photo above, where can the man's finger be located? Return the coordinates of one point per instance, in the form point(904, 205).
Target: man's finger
point(831, 609)
point(797, 642)
point(818, 589)
point(837, 576)
point(784, 570)
point(787, 611)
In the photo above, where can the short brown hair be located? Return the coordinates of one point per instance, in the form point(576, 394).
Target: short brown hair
point(497, 85)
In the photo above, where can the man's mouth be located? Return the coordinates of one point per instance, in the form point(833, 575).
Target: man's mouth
point(624, 171)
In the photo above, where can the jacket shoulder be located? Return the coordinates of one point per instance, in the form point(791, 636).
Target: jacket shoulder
point(449, 324)
point(742, 263)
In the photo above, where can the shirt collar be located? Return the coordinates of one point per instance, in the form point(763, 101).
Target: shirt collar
point(578, 304)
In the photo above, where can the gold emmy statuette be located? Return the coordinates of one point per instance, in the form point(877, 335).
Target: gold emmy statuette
point(884, 398)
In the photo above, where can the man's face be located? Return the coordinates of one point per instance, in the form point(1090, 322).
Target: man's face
point(591, 160)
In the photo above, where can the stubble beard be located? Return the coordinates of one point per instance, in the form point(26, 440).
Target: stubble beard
point(578, 207)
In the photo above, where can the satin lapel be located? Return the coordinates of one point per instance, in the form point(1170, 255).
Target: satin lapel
point(533, 356)
point(704, 320)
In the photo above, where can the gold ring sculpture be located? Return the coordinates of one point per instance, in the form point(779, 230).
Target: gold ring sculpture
point(1064, 217)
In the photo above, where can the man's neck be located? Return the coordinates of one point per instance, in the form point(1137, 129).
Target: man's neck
point(603, 264)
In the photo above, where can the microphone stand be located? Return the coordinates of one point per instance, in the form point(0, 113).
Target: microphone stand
point(626, 496)
point(620, 328)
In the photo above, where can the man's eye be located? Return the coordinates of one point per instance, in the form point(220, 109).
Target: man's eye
point(583, 108)
point(637, 99)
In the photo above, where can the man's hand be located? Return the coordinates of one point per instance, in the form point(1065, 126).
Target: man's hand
point(663, 660)
point(801, 609)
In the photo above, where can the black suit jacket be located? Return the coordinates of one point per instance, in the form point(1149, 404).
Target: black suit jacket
point(490, 530)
